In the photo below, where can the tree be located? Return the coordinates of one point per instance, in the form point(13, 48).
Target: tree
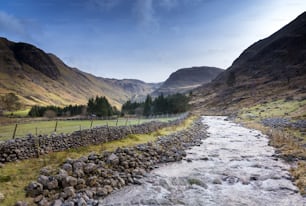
point(90, 106)
point(50, 114)
point(160, 105)
point(175, 103)
point(147, 110)
point(39, 111)
point(100, 107)
point(10, 102)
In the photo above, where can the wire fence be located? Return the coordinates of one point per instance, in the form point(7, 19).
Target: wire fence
point(69, 126)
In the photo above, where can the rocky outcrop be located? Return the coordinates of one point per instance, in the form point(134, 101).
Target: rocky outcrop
point(35, 58)
point(32, 146)
point(85, 180)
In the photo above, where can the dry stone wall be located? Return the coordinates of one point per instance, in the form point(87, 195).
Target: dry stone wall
point(87, 180)
point(32, 146)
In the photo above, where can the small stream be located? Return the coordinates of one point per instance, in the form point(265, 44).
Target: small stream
point(233, 166)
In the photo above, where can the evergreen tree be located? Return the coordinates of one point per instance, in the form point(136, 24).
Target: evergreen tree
point(147, 110)
point(176, 103)
point(160, 105)
point(90, 106)
point(100, 107)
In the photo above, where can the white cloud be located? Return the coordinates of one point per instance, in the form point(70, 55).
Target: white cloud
point(168, 4)
point(147, 12)
point(104, 4)
point(144, 10)
point(11, 25)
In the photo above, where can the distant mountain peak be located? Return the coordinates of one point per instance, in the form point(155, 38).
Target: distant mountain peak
point(186, 79)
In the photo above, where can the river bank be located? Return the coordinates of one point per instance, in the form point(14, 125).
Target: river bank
point(233, 166)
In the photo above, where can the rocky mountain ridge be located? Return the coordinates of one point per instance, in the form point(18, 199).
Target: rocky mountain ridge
point(39, 78)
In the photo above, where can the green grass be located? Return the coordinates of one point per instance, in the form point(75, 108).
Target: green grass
point(14, 177)
point(64, 126)
point(19, 113)
point(278, 108)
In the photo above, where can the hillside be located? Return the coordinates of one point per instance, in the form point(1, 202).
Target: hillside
point(43, 79)
point(186, 79)
point(270, 70)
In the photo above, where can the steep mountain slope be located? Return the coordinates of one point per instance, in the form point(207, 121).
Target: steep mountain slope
point(41, 78)
point(186, 79)
point(271, 69)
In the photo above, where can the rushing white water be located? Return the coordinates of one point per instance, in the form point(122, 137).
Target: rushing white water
point(234, 166)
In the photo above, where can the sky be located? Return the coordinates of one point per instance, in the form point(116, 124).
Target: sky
point(144, 39)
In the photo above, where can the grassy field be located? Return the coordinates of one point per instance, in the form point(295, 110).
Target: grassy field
point(14, 177)
point(19, 113)
point(65, 126)
point(281, 108)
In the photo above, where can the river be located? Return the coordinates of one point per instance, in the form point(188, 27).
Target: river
point(233, 166)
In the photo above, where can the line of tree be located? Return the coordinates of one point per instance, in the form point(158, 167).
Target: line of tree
point(171, 104)
point(52, 111)
point(98, 106)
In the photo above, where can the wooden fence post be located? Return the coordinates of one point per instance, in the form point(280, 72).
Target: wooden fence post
point(55, 128)
point(91, 123)
point(126, 121)
point(14, 133)
point(117, 121)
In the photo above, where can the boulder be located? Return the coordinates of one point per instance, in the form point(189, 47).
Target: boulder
point(43, 180)
point(57, 203)
point(69, 192)
point(52, 184)
point(92, 181)
point(113, 159)
point(67, 167)
point(217, 181)
point(90, 168)
point(34, 189)
point(69, 181)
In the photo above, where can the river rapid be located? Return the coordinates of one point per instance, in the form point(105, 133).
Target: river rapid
point(233, 166)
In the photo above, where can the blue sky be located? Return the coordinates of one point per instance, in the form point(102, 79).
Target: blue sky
point(144, 39)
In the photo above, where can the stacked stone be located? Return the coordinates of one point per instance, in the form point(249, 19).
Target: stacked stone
point(86, 180)
point(31, 146)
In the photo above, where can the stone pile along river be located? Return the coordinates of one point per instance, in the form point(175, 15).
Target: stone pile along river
point(233, 166)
